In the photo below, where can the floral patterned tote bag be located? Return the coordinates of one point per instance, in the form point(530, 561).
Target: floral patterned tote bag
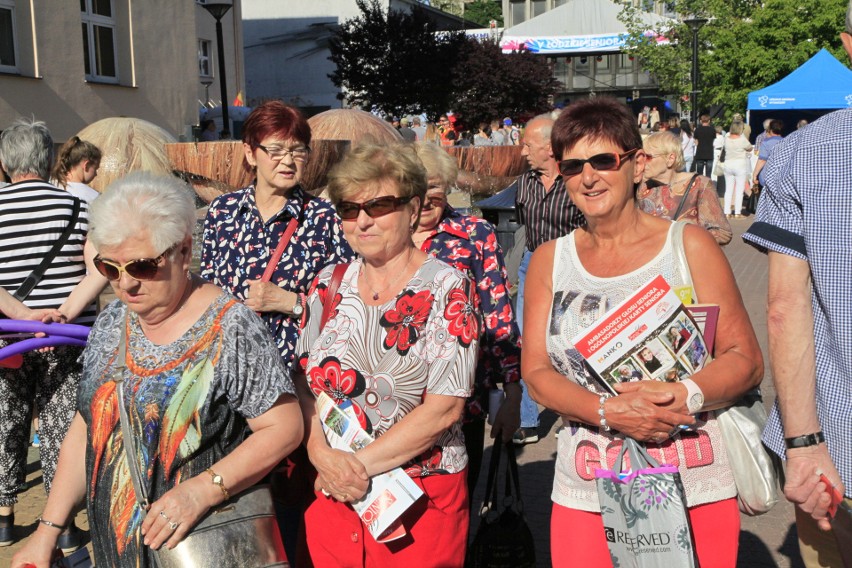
point(644, 512)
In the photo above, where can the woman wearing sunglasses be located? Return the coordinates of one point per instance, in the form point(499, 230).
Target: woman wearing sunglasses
point(591, 270)
point(200, 374)
point(400, 345)
point(470, 245)
point(669, 191)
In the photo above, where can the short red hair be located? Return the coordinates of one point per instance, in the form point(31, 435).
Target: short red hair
point(275, 118)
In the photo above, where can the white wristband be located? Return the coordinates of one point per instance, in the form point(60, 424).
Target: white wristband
point(694, 396)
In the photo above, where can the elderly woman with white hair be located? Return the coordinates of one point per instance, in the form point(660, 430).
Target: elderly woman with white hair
point(671, 193)
point(34, 215)
point(200, 373)
point(469, 244)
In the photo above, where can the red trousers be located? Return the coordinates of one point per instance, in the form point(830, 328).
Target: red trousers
point(437, 527)
point(577, 537)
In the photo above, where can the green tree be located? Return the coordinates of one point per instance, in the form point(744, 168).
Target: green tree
point(490, 84)
point(746, 45)
point(394, 61)
point(483, 11)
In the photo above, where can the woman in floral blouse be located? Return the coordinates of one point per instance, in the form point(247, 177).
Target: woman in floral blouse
point(400, 346)
point(665, 186)
point(470, 244)
point(243, 228)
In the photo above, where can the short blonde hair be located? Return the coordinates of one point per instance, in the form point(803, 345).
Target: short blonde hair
point(368, 165)
point(665, 143)
point(737, 127)
point(438, 163)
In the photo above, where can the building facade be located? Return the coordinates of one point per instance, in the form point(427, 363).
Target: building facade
point(589, 72)
point(134, 58)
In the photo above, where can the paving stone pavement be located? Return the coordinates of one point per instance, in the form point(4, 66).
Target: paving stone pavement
point(766, 541)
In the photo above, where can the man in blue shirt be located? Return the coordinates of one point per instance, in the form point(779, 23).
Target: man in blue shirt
point(803, 223)
point(771, 138)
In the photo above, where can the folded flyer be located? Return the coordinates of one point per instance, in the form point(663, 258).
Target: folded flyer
point(649, 336)
point(390, 494)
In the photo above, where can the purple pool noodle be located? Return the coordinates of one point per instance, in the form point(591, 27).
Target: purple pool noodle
point(54, 329)
point(37, 343)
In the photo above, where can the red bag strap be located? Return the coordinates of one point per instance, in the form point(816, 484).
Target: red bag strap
point(333, 285)
point(282, 244)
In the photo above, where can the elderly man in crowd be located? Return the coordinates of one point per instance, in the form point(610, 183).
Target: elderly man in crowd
point(803, 223)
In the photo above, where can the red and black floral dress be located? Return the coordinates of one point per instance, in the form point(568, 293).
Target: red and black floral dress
point(386, 358)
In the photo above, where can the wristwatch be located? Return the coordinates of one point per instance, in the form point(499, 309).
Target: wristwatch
point(219, 481)
point(299, 306)
point(694, 396)
point(804, 441)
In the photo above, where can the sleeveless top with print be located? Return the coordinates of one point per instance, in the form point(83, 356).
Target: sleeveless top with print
point(579, 299)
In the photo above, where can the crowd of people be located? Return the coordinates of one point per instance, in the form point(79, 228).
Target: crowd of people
point(197, 386)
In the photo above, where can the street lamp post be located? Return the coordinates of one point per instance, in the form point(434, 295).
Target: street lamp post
point(694, 24)
point(218, 10)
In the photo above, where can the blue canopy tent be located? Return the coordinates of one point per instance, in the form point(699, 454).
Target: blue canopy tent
point(820, 85)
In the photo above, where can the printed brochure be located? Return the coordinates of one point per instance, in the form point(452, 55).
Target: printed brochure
point(650, 335)
point(390, 494)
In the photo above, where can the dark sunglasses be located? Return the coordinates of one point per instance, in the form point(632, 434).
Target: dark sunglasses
point(431, 202)
point(139, 269)
point(349, 210)
point(600, 162)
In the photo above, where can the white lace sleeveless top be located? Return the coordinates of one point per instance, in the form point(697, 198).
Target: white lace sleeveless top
point(579, 299)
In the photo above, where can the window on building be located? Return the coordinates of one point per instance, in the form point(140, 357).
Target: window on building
point(205, 65)
point(8, 61)
point(581, 65)
point(99, 50)
point(539, 7)
point(558, 3)
point(602, 63)
point(625, 61)
point(519, 12)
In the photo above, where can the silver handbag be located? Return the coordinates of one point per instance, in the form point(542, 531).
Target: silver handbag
point(242, 531)
point(756, 470)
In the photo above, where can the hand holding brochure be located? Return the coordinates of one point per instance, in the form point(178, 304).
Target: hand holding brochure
point(650, 335)
point(390, 494)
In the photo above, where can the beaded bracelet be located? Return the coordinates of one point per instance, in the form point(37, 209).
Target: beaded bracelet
point(51, 524)
point(602, 412)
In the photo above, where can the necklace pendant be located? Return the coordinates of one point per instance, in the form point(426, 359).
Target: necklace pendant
point(375, 295)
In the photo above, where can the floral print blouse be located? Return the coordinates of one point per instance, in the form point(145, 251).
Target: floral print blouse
point(187, 404)
point(701, 208)
point(238, 244)
point(386, 358)
point(469, 244)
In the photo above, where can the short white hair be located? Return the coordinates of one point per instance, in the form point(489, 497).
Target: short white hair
point(142, 203)
point(26, 147)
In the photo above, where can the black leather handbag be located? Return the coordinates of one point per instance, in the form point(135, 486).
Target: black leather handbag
point(504, 539)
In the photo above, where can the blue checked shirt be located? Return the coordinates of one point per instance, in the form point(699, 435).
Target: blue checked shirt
point(806, 212)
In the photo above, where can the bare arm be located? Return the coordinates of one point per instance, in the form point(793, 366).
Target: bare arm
point(275, 434)
point(69, 490)
point(757, 168)
point(414, 434)
point(639, 414)
point(791, 355)
point(12, 308)
point(87, 290)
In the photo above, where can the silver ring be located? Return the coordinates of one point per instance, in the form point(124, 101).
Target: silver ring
point(173, 525)
point(163, 514)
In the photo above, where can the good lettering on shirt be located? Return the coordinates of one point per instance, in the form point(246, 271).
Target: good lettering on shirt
point(696, 448)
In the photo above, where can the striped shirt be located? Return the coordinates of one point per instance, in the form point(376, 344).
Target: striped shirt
point(804, 212)
point(33, 215)
point(545, 215)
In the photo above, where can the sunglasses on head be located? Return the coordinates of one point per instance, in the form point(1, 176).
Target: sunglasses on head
point(432, 202)
point(139, 269)
point(601, 162)
point(349, 210)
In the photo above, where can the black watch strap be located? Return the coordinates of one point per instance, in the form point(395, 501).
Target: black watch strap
point(805, 440)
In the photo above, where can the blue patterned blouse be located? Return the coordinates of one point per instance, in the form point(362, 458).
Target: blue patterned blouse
point(238, 244)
